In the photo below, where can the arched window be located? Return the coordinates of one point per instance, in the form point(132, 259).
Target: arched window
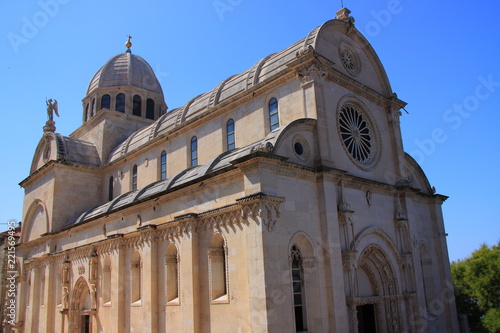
point(105, 102)
point(106, 281)
point(92, 110)
point(87, 112)
point(194, 151)
point(150, 109)
point(230, 134)
point(134, 178)
point(120, 102)
point(217, 257)
point(298, 290)
point(172, 274)
point(137, 106)
point(110, 188)
point(273, 114)
point(136, 283)
point(163, 165)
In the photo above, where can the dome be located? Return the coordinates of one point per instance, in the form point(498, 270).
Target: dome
point(126, 69)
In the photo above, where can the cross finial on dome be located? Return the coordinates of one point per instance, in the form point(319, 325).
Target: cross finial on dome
point(128, 44)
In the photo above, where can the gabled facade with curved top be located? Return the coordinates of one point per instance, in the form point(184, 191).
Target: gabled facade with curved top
point(280, 201)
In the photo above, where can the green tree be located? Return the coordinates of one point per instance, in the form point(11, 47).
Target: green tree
point(477, 288)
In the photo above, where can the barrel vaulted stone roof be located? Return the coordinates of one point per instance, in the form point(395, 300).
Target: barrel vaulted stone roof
point(262, 70)
point(221, 162)
point(77, 151)
point(320, 40)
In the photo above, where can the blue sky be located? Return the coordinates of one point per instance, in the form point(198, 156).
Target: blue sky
point(442, 58)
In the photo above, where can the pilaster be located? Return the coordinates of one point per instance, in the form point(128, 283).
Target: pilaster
point(189, 277)
point(260, 317)
point(150, 281)
point(312, 77)
point(50, 296)
point(118, 291)
point(393, 115)
point(333, 280)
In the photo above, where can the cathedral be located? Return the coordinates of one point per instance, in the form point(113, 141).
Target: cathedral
point(279, 201)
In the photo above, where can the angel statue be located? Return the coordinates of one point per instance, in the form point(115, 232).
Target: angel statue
point(51, 108)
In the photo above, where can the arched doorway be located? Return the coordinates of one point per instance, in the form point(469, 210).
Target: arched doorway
point(376, 306)
point(80, 310)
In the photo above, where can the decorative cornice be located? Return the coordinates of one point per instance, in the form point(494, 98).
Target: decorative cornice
point(60, 164)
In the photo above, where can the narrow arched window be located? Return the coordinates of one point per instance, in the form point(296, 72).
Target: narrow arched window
point(137, 106)
point(230, 134)
point(163, 165)
point(87, 112)
point(298, 290)
point(273, 114)
point(150, 109)
point(92, 110)
point(106, 281)
point(120, 102)
point(105, 101)
point(136, 283)
point(110, 188)
point(134, 178)
point(172, 274)
point(194, 151)
point(218, 264)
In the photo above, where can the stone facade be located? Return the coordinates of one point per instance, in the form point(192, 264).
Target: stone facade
point(280, 201)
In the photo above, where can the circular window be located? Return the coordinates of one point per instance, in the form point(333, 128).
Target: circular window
point(299, 150)
point(301, 147)
point(356, 134)
point(349, 59)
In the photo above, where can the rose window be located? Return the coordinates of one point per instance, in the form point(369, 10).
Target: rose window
point(348, 60)
point(356, 134)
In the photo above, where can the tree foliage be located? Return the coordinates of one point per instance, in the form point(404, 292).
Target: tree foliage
point(477, 288)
